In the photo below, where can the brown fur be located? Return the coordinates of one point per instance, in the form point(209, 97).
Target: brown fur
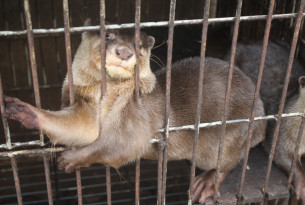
point(248, 59)
point(287, 140)
point(118, 129)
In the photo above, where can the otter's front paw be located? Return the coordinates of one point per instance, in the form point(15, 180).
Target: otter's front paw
point(68, 161)
point(22, 112)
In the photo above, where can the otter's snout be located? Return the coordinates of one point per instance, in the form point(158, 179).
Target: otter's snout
point(123, 53)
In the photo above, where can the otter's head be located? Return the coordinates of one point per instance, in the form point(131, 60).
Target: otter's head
point(120, 53)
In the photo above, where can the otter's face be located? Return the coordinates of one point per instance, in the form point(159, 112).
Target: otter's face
point(121, 55)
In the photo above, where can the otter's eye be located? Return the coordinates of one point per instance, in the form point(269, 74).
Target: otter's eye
point(108, 37)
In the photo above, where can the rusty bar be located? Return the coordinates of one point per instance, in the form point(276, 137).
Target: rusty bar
point(43, 66)
point(103, 46)
point(146, 24)
point(70, 80)
point(79, 187)
point(58, 61)
point(284, 93)
point(160, 162)
point(31, 152)
point(24, 45)
point(48, 178)
point(68, 50)
point(16, 179)
point(108, 183)
point(19, 144)
point(137, 88)
point(296, 151)
point(184, 127)
point(200, 89)
point(137, 185)
point(227, 97)
point(32, 58)
point(167, 97)
point(4, 121)
point(32, 52)
point(137, 39)
point(10, 46)
point(256, 96)
point(104, 83)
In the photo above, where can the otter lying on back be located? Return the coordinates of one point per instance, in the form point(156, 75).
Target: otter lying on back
point(118, 129)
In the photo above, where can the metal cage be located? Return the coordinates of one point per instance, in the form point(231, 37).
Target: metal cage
point(11, 150)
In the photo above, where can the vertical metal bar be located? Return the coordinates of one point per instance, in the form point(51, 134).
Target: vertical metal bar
point(168, 85)
point(284, 93)
point(32, 58)
point(293, 10)
point(48, 179)
point(79, 187)
point(4, 121)
point(227, 97)
point(108, 182)
point(296, 151)
point(10, 48)
point(160, 161)
point(200, 89)
point(25, 47)
point(137, 38)
point(104, 84)
point(43, 66)
point(70, 80)
point(68, 50)
point(137, 87)
point(16, 179)
point(256, 96)
point(137, 189)
point(55, 42)
point(103, 46)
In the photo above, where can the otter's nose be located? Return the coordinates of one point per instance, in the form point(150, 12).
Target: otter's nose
point(123, 53)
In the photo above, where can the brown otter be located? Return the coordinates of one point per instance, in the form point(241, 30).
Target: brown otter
point(118, 129)
point(248, 58)
point(288, 138)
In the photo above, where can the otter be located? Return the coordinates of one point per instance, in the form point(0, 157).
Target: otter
point(248, 58)
point(287, 140)
point(118, 129)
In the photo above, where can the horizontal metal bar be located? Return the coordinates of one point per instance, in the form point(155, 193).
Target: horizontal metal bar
point(155, 140)
point(33, 151)
point(19, 144)
point(209, 124)
point(146, 24)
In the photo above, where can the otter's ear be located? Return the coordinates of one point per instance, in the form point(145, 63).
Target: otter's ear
point(86, 33)
point(302, 81)
point(150, 41)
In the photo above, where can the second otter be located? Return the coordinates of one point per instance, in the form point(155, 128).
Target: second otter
point(118, 130)
point(276, 63)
